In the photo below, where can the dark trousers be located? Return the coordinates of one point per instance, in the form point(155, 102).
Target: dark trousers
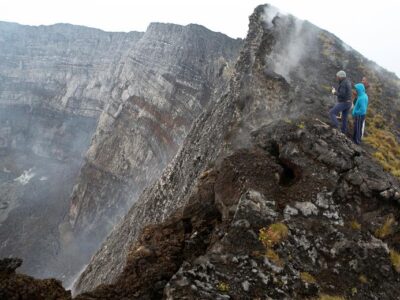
point(343, 107)
point(358, 128)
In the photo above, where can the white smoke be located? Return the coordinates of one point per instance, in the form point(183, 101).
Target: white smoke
point(269, 15)
point(290, 48)
point(290, 56)
point(71, 286)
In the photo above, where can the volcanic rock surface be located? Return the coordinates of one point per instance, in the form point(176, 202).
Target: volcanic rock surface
point(284, 72)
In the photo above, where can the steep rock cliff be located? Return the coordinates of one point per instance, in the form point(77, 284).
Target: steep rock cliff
point(63, 67)
point(284, 71)
point(169, 77)
point(137, 93)
point(54, 82)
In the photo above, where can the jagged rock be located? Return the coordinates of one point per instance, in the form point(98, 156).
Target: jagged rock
point(15, 286)
point(306, 208)
point(9, 265)
point(290, 211)
point(324, 200)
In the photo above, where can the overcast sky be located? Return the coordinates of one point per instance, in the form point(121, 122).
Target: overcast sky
point(370, 27)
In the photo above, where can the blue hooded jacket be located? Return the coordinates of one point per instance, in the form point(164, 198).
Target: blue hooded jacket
point(360, 108)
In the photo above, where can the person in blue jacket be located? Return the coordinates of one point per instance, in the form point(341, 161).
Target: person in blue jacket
point(359, 112)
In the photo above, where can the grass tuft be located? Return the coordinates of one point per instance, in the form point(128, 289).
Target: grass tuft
point(384, 142)
point(363, 279)
point(395, 258)
point(223, 287)
point(307, 277)
point(273, 234)
point(329, 297)
point(355, 225)
point(386, 229)
point(274, 257)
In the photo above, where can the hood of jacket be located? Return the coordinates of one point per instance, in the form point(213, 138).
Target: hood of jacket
point(360, 88)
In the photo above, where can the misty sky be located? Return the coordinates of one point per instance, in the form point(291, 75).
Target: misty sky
point(370, 27)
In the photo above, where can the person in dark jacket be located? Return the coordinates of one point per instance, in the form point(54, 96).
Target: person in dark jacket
point(343, 106)
point(359, 112)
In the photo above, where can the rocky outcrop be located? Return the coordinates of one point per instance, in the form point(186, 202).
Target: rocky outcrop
point(280, 219)
point(127, 99)
point(285, 70)
point(298, 222)
point(19, 286)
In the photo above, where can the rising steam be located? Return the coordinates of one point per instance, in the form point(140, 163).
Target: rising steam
point(290, 47)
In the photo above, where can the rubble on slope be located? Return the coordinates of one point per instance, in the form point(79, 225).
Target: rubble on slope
point(301, 213)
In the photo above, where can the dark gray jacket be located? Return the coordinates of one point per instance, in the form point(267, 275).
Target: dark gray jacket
point(343, 91)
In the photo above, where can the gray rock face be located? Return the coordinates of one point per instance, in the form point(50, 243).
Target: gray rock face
point(63, 67)
point(54, 82)
point(168, 79)
point(281, 74)
point(127, 99)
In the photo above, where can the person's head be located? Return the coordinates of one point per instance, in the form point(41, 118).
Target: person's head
point(340, 75)
point(360, 88)
point(364, 80)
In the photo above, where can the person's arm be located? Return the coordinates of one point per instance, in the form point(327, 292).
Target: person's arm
point(356, 107)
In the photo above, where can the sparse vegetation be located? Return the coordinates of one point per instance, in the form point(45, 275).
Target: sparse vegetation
point(301, 125)
point(270, 237)
point(395, 258)
point(273, 234)
point(274, 257)
point(355, 225)
point(223, 287)
point(327, 45)
point(386, 229)
point(384, 141)
point(363, 279)
point(328, 297)
point(307, 277)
